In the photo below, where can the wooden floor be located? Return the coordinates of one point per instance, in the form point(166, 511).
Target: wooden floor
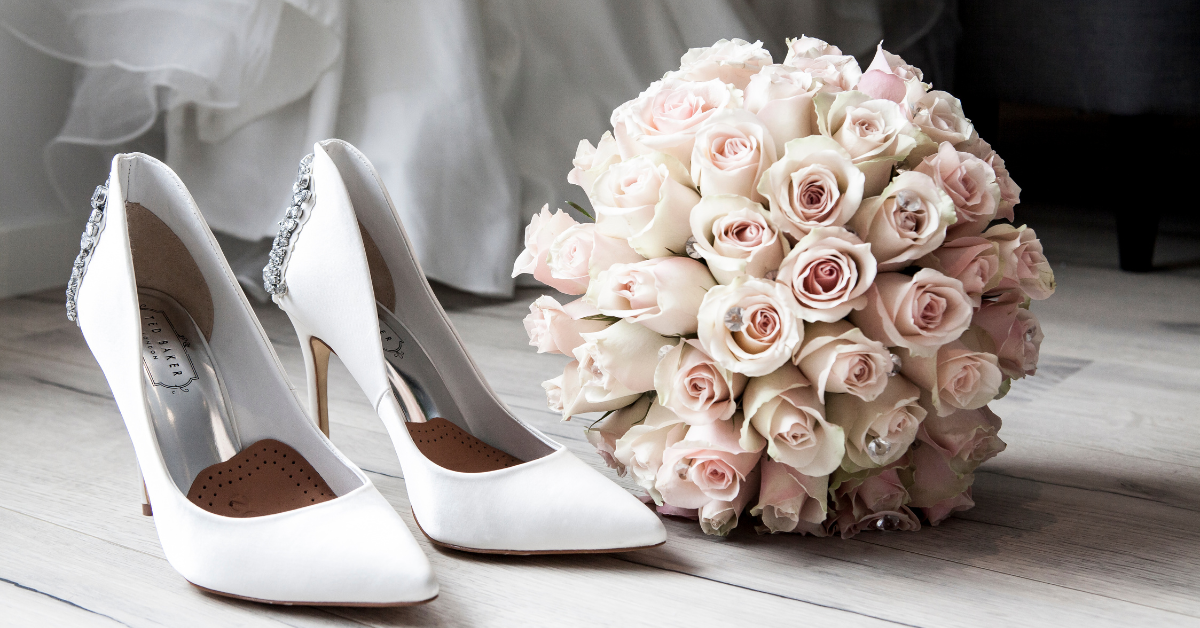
point(1092, 516)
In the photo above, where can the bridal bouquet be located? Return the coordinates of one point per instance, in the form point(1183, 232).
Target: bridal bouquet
point(799, 294)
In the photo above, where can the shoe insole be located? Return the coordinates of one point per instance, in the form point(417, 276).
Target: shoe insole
point(451, 447)
point(265, 478)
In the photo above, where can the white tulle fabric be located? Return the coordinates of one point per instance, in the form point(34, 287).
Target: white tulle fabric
point(470, 110)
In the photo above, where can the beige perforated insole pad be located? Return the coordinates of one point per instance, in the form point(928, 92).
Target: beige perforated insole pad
point(450, 447)
point(265, 478)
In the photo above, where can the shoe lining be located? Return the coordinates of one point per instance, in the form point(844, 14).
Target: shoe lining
point(265, 478)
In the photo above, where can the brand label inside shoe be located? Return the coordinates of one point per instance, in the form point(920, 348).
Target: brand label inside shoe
point(164, 352)
point(393, 344)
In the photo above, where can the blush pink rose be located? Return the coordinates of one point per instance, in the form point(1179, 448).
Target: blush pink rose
point(1010, 192)
point(641, 448)
point(708, 464)
point(789, 501)
point(815, 184)
point(906, 221)
point(838, 358)
point(919, 313)
point(554, 328)
point(570, 255)
point(890, 78)
point(878, 432)
point(540, 234)
point(732, 150)
point(829, 272)
point(940, 511)
point(1025, 265)
point(970, 182)
point(751, 326)
point(735, 237)
point(604, 434)
point(957, 377)
point(878, 502)
point(940, 116)
point(616, 364)
point(876, 132)
point(784, 413)
point(781, 97)
point(693, 386)
point(732, 62)
point(1014, 332)
point(973, 260)
point(966, 438)
point(719, 517)
point(931, 481)
point(666, 117)
point(661, 294)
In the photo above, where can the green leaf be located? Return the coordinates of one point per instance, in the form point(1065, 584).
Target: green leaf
point(601, 317)
point(581, 210)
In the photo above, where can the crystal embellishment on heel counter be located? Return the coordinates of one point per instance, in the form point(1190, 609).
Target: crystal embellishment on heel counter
point(87, 243)
point(293, 218)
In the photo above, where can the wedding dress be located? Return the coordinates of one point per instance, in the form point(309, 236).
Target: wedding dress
point(471, 110)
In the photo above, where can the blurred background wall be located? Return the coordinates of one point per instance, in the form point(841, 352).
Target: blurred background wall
point(472, 109)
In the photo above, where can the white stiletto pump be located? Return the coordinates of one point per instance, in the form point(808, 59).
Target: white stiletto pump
point(249, 499)
point(478, 478)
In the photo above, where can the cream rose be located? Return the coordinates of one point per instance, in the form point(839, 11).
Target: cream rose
point(940, 116)
point(607, 251)
point(731, 152)
point(969, 182)
point(878, 432)
point(973, 260)
point(805, 47)
point(890, 78)
point(666, 117)
point(646, 200)
point(543, 229)
point(957, 377)
point(789, 501)
point(618, 361)
point(877, 502)
point(591, 161)
point(838, 358)
point(828, 272)
point(784, 413)
point(661, 294)
point(750, 326)
point(1014, 332)
point(693, 386)
point(603, 434)
point(834, 72)
point(815, 184)
point(554, 328)
point(1025, 265)
point(876, 133)
point(569, 256)
point(641, 448)
point(781, 97)
point(735, 236)
point(919, 313)
point(1010, 192)
point(908, 220)
point(732, 62)
point(565, 394)
point(708, 464)
point(719, 517)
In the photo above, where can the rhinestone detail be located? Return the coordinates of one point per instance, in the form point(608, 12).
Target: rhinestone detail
point(293, 219)
point(87, 244)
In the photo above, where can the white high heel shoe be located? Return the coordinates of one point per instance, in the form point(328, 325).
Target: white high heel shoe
point(249, 499)
point(478, 478)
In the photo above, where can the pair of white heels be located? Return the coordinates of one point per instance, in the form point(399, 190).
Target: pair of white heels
point(249, 498)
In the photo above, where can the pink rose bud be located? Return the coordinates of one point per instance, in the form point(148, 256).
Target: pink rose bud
point(1025, 266)
point(829, 272)
point(708, 464)
point(603, 434)
point(543, 229)
point(973, 260)
point(554, 328)
point(814, 184)
point(1014, 332)
point(878, 502)
point(971, 184)
point(662, 294)
point(789, 501)
point(919, 313)
point(695, 387)
point(731, 152)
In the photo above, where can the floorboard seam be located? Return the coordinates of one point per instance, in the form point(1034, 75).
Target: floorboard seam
point(778, 595)
point(59, 599)
point(1084, 488)
point(1050, 584)
point(70, 388)
point(76, 531)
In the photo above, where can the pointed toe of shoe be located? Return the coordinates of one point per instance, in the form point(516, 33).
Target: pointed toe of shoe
point(352, 551)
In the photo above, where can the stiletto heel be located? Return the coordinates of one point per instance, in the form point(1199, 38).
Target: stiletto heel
point(316, 371)
point(249, 499)
point(147, 511)
point(478, 478)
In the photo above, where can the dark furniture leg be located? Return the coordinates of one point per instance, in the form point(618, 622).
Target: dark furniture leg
point(1137, 226)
